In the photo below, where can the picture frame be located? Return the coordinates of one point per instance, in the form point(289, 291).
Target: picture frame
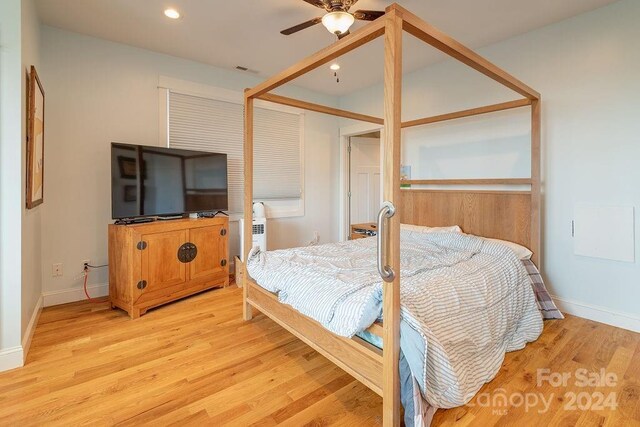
point(129, 168)
point(130, 193)
point(35, 140)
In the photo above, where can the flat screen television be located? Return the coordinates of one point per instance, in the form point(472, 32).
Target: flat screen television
point(157, 181)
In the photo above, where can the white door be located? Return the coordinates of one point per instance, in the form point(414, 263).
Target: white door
point(364, 179)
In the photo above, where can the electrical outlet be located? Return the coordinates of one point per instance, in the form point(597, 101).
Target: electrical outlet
point(85, 261)
point(56, 270)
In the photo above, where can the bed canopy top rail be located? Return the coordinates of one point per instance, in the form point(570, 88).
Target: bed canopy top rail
point(371, 31)
point(319, 108)
point(468, 113)
point(436, 38)
point(391, 25)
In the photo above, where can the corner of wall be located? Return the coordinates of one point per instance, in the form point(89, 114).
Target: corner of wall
point(31, 226)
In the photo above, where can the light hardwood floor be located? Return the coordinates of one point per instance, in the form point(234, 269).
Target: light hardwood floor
point(195, 362)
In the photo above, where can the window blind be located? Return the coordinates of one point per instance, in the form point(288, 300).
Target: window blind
point(205, 124)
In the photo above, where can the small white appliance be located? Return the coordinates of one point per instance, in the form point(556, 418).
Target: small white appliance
point(259, 231)
point(258, 210)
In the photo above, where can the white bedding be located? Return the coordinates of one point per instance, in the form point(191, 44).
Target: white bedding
point(470, 300)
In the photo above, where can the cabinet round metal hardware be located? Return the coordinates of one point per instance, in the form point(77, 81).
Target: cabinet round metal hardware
point(223, 232)
point(141, 245)
point(142, 284)
point(187, 252)
point(223, 262)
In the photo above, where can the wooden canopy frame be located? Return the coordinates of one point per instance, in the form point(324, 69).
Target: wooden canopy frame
point(379, 369)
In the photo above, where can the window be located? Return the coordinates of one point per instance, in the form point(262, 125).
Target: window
point(202, 123)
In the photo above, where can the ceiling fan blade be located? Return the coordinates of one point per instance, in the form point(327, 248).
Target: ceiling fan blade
point(346, 33)
point(367, 15)
point(302, 26)
point(317, 3)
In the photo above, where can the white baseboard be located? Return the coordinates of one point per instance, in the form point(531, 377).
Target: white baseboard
point(64, 296)
point(599, 314)
point(11, 358)
point(31, 327)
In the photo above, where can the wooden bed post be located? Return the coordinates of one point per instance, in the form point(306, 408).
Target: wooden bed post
point(536, 243)
point(248, 199)
point(391, 191)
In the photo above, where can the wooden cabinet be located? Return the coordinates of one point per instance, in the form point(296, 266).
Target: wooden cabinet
point(155, 263)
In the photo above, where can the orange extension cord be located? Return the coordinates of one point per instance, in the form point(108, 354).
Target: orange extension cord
point(86, 277)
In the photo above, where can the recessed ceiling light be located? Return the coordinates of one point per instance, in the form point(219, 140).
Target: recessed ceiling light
point(335, 67)
point(172, 13)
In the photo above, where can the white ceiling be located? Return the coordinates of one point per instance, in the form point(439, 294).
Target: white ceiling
point(247, 32)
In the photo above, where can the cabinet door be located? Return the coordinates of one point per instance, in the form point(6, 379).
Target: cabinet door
point(161, 267)
point(211, 259)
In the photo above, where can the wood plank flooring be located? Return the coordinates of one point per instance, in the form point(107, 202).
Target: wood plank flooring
point(195, 362)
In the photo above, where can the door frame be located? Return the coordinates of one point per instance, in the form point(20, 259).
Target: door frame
point(345, 133)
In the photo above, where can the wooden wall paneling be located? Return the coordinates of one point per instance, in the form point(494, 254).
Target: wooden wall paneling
point(391, 192)
point(502, 215)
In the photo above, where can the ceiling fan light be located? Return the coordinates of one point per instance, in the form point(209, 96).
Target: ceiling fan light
point(338, 22)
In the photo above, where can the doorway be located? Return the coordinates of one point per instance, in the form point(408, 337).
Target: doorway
point(364, 183)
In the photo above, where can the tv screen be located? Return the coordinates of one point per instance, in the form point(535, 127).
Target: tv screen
point(157, 181)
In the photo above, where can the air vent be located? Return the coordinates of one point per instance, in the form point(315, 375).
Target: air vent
point(245, 69)
point(258, 229)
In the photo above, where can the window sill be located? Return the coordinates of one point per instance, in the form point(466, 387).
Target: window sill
point(274, 209)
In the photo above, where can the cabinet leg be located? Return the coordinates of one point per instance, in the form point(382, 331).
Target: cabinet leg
point(135, 313)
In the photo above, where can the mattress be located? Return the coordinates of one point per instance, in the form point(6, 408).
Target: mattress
point(465, 301)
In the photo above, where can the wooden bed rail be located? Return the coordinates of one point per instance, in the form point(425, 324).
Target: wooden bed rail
point(436, 38)
point(369, 32)
point(468, 113)
point(319, 108)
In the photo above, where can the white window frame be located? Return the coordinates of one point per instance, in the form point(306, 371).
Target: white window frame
point(274, 208)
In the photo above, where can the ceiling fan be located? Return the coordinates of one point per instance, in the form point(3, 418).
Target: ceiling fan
point(338, 19)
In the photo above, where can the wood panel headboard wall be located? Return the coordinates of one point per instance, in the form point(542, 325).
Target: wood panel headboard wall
point(502, 215)
point(506, 215)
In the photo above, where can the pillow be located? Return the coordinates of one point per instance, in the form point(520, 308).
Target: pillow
point(521, 252)
point(424, 229)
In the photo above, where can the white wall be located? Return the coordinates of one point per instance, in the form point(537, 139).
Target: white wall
point(99, 92)
point(11, 76)
point(586, 69)
point(31, 218)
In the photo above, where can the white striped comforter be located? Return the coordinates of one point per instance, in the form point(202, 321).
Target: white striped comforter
point(469, 299)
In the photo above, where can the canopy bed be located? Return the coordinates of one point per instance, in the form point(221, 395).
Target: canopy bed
point(507, 215)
